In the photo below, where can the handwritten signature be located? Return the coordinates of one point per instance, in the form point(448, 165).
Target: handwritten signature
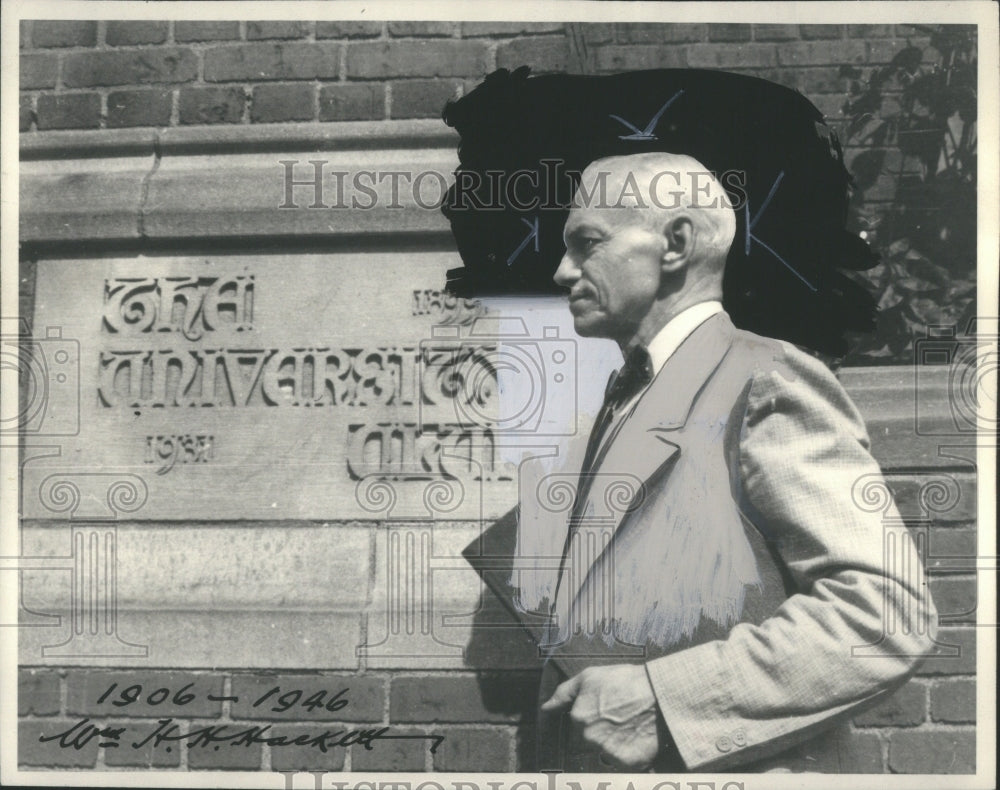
point(83, 732)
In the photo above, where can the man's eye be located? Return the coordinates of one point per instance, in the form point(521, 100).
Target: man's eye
point(587, 242)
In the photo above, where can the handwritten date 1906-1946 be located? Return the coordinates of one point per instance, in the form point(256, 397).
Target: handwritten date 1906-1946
point(110, 736)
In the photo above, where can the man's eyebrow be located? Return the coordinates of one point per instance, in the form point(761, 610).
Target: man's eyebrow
point(581, 228)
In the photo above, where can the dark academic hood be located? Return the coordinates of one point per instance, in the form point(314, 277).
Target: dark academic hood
point(524, 140)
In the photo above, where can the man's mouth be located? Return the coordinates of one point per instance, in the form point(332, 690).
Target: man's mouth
point(580, 301)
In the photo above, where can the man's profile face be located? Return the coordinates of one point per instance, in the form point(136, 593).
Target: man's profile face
point(612, 268)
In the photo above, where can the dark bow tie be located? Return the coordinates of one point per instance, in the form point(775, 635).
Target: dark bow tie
point(635, 374)
point(623, 385)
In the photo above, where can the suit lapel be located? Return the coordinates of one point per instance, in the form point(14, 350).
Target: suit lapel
point(649, 437)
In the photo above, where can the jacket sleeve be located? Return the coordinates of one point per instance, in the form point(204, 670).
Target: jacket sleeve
point(861, 617)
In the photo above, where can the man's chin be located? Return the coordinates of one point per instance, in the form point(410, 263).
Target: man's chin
point(587, 326)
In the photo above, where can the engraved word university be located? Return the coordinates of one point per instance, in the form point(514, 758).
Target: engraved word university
point(417, 410)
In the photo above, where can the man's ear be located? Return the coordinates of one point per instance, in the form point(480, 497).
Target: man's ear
point(679, 234)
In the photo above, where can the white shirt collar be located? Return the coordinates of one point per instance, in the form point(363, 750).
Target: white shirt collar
point(676, 331)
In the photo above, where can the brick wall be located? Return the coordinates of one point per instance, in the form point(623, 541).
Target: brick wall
point(486, 711)
point(110, 75)
point(483, 719)
point(90, 75)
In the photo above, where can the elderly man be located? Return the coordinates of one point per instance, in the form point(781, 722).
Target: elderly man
point(749, 604)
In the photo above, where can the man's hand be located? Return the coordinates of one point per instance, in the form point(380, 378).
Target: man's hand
point(615, 710)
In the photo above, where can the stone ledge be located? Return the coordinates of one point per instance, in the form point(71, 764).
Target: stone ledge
point(238, 139)
point(198, 640)
point(180, 185)
point(216, 568)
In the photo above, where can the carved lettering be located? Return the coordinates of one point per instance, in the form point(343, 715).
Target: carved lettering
point(190, 306)
point(308, 376)
point(168, 450)
point(452, 309)
point(407, 451)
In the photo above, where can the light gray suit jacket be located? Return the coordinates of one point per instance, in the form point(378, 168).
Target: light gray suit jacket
point(774, 602)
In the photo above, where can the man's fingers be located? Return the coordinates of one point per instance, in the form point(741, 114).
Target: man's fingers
point(564, 694)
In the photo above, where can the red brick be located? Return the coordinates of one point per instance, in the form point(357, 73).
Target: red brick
point(37, 692)
point(126, 67)
point(403, 754)
point(264, 30)
point(906, 708)
point(85, 687)
point(206, 31)
point(955, 598)
point(348, 29)
point(211, 105)
point(869, 31)
point(69, 111)
point(941, 498)
point(883, 51)
point(421, 98)
point(140, 108)
point(32, 752)
point(954, 701)
point(352, 102)
point(38, 71)
point(166, 755)
point(856, 753)
point(63, 34)
point(908, 31)
point(822, 53)
point(542, 53)
point(950, 546)
point(401, 29)
point(775, 32)
point(715, 56)
point(474, 750)
point(26, 113)
point(729, 32)
point(823, 79)
point(500, 29)
point(811, 32)
point(462, 698)
point(282, 102)
point(647, 33)
point(940, 752)
point(862, 753)
point(223, 756)
point(122, 33)
point(942, 662)
point(382, 59)
point(643, 56)
point(788, 77)
point(305, 758)
point(365, 696)
point(293, 61)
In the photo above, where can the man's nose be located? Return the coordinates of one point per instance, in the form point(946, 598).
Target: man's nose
point(567, 273)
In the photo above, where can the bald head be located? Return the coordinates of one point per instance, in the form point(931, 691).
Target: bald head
point(647, 237)
point(653, 189)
